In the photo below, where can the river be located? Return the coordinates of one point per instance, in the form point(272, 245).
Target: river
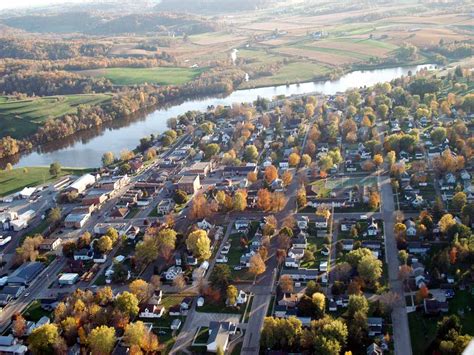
point(86, 148)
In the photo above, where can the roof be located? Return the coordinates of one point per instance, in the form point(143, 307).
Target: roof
point(188, 179)
point(26, 272)
point(68, 277)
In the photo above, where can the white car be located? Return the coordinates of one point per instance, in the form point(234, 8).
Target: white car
point(364, 217)
point(222, 259)
point(225, 250)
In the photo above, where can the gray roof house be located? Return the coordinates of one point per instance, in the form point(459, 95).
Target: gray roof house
point(25, 273)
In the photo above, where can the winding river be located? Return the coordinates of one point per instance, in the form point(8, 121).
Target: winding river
point(86, 148)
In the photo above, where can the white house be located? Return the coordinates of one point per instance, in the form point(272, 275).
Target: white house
point(373, 228)
point(219, 333)
point(151, 311)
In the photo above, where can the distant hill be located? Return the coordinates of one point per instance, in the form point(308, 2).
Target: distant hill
point(89, 23)
point(212, 6)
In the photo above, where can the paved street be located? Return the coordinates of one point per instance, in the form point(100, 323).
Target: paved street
point(401, 331)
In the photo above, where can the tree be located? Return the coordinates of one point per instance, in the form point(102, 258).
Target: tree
point(240, 200)
point(287, 177)
point(257, 265)
point(374, 200)
point(403, 256)
point(107, 158)
point(150, 154)
point(264, 199)
point(251, 153)
point(252, 177)
point(112, 234)
point(43, 339)
point(446, 222)
point(127, 303)
point(459, 200)
point(378, 160)
point(211, 150)
point(422, 293)
point(270, 174)
point(220, 276)
point(370, 269)
point(357, 303)
point(279, 201)
point(101, 340)
point(180, 197)
point(319, 301)
point(126, 155)
point(141, 289)
point(104, 244)
point(19, 326)
point(306, 160)
point(54, 215)
point(286, 284)
point(388, 300)
point(199, 244)
point(301, 198)
point(135, 334)
point(294, 159)
point(232, 294)
point(438, 135)
point(55, 169)
point(146, 251)
point(166, 242)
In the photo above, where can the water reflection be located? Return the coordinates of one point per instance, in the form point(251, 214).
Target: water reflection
point(86, 148)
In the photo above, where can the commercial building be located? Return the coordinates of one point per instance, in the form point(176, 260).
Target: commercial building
point(189, 184)
point(26, 273)
point(68, 279)
point(81, 184)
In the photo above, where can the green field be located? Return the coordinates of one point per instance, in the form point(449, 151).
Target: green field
point(290, 73)
point(21, 118)
point(135, 76)
point(16, 179)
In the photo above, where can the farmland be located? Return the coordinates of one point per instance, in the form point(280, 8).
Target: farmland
point(135, 76)
point(20, 118)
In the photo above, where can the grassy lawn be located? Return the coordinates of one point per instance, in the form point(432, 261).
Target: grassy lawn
point(220, 307)
point(159, 75)
point(423, 329)
point(16, 179)
point(21, 118)
point(133, 212)
point(34, 312)
point(170, 301)
point(202, 335)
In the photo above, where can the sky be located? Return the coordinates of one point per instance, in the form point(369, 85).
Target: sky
point(9, 4)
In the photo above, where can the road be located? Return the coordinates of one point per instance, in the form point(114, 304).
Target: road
point(401, 330)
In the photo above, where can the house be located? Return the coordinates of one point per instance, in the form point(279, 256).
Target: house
point(173, 272)
point(95, 197)
point(84, 254)
point(323, 266)
point(241, 224)
point(151, 311)
point(189, 184)
point(9, 345)
point(434, 307)
point(25, 273)
point(76, 220)
point(332, 306)
point(165, 206)
point(13, 291)
point(176, 324)
point(118, 213)
point(242, 298)
point(291, 262)
point(411, 228)
point(239, 170)
point(375, 326)
point(186, 303)
point(347, 224)
point(50, 244)
point(347, 244)
point(199, 168)
point(418, 248)
point(373, 228)
point(301, 274)
point(290, 299)
point(205, 225)
point(296, 253)
point(219, 333)
point(321, 222)
point(302, 222)
point(175, 311)
point(325, 251)
point(374, 349)
point(301, 241)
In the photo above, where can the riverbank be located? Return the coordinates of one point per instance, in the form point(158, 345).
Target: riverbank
point(15, 180)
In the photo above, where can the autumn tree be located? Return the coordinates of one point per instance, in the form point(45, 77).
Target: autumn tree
point(306, 160)
point(220, 276)
point(446, 222)
point(252, 177)
point(319, 302)
point(270, 174)
point(127, 303)
point(374, 200)
point(370, 269)
point(199, 244)
point(378, 160)
point(278, 201)
point(43, 339)
point(459, 200)
point(107, 158)
point(264, 199)
point(101, 340)
point(301, 198)
point(240, 200)
point(19, 326)
point(55, 169)
point(257, 265)
point(294, 159)
point(286, 284)
point(287, 177)
point(141, 289)
point(232, 294)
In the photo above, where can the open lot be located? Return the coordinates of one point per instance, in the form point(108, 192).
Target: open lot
point(16, 179)
point(20, 118)
point(133, 76)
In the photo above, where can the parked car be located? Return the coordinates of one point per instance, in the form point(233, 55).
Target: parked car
point(222, 259)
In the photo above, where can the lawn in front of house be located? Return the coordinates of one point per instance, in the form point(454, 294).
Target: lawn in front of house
point(34, 312)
